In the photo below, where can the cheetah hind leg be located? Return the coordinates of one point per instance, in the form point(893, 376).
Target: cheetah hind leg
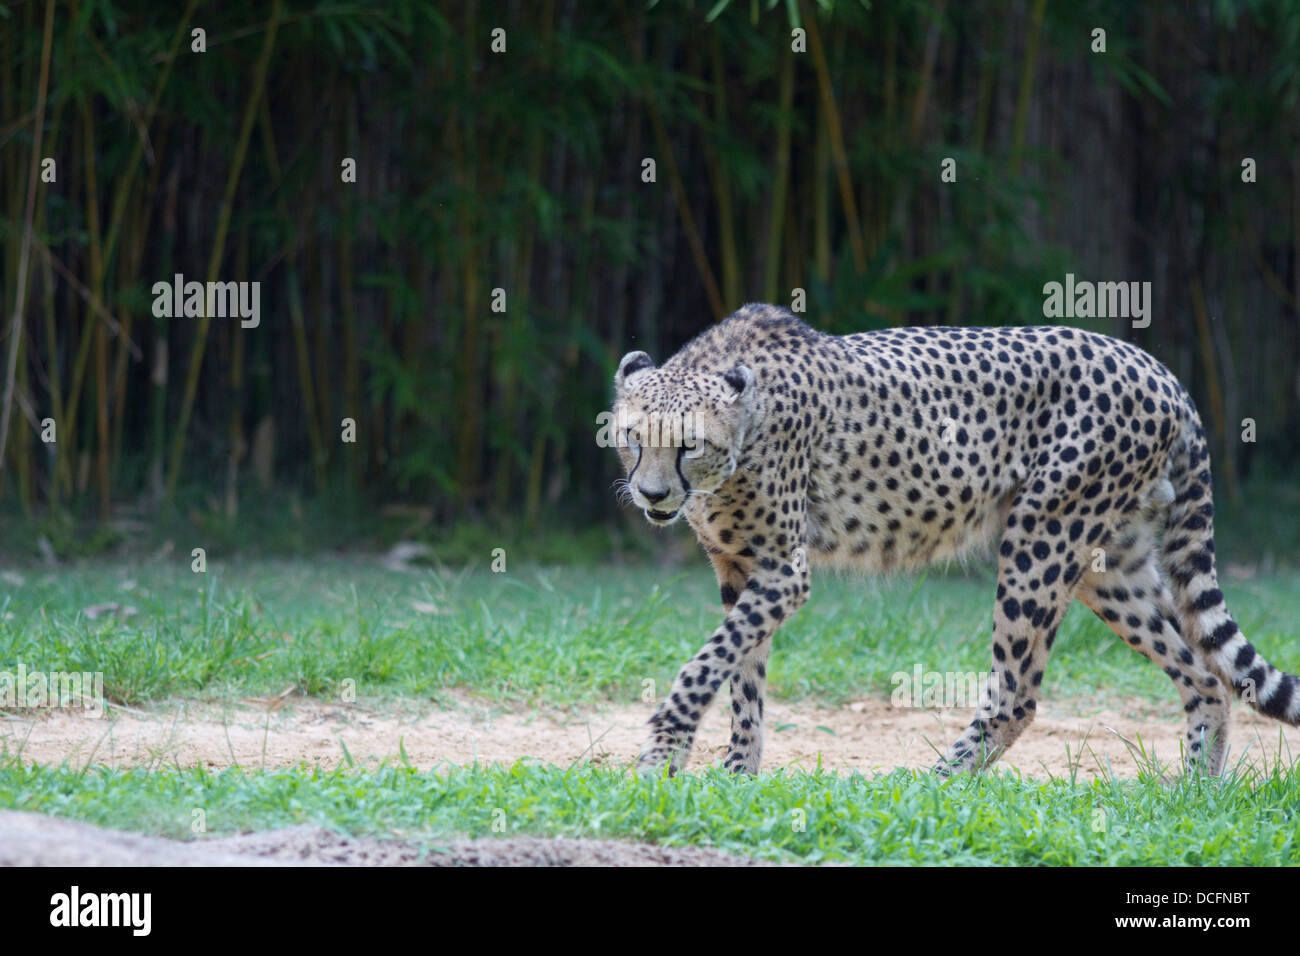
point(1136, 604)
point(1037, 575)
point(1009, 701)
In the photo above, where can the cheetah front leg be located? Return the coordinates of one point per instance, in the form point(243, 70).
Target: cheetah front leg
point(745, 753)
point(768, 598)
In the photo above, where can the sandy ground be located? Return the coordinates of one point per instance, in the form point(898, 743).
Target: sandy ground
point(866, 735)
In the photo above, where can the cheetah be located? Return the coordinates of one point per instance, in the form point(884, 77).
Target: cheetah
point(1079, 456)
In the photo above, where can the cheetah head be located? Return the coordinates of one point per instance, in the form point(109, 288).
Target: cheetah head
point(679, 431)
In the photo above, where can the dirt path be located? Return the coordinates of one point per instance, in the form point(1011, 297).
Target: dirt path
point(866, 735)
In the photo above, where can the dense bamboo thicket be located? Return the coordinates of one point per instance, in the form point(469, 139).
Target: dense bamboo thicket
point(463, 298)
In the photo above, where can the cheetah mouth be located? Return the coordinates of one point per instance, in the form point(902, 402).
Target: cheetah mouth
point(661, 517)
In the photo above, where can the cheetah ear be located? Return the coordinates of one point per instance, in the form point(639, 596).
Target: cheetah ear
point(632, 363)
point(739, 380)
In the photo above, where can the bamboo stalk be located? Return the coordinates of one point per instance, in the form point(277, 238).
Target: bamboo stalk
point(922, 96)
point(1026, 85)
point(160, 370)
point(322, 344)
point(509, 385)
point(24, 256)
point(780, 175)
point(218, 247)
point(128, 266)
point(794, 264)
point(347, 296)
point(465, 159)
point(559, 443)
point(125, 180)
point(836, 133)
point(133, 260)
point(124, 183)
point(11, 167)
point(236, 444)
point(876, 216)
point(98, 332)
point(297, 321)
point(684, 210)
point(722, 183)
point(821, 196)
point(682, 201)
point(59, 454)
point(55, 387)
point(351, 363)
point(23, 430)
point(985, 86)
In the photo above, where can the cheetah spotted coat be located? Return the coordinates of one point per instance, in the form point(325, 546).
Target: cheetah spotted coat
point(1080, 456)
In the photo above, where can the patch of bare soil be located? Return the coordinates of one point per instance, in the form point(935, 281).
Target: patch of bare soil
point(32, 839)
point(868, 735)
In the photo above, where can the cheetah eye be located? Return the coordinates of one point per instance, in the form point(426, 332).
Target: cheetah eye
point(631, 438)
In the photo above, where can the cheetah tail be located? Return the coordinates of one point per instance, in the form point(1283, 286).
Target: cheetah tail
point(1188, 559)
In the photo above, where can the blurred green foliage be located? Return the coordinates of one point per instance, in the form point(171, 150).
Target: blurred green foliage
point(521, 171)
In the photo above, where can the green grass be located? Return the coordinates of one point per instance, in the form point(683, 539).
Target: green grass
point(566, 635)
point(899, 818)
point(557, 636)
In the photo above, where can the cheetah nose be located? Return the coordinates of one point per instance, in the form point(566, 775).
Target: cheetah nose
point(654, 497)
